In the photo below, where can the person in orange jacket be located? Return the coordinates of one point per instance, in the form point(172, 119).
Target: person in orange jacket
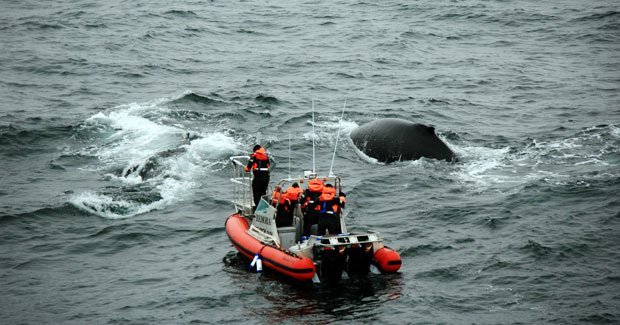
point(287, 203)
point(310, 205)
point(293, 194)
point(275, 195)
point(329, 210)
point(259, 164)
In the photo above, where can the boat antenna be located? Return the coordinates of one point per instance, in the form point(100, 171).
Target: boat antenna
point(337, 137)
point(289, 155)
point(313, 134)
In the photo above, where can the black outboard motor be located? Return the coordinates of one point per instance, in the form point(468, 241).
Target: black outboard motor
point(359, 260)
point(332, 264)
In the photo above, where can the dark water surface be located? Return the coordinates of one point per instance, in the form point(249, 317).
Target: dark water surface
point(117, 120)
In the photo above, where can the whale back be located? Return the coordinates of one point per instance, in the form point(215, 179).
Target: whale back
point(392, 139)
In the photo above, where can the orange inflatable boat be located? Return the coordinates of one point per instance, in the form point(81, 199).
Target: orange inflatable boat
point(258, 233)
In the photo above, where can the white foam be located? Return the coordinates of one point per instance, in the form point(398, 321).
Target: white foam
point(555, 160)
point(479, 160)
point(582, 149)
point(140, 140)
point(131, 178)
point(481, 167)
point(327, 131)
point(105, 206)
point(135, 136)
point(213, 146)
point(592, 161)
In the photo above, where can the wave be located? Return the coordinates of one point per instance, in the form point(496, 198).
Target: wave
point(189, 96)
point(109, 207)
point(536, 249)
point(63, 211)
point(19, 140)
point(598, 145)
point(448, 273)
point(181, 13)
point(39, 24)
point(426, 249)
point(267, 99)
point(574, 160)
point(611, 15)
point(160, 181)
point(149, 157)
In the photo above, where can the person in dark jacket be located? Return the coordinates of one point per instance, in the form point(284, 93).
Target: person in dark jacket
point(259, 164)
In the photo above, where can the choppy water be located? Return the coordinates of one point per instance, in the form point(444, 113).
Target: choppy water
point(117, 120)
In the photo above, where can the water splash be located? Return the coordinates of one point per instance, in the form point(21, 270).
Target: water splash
point(152, 161)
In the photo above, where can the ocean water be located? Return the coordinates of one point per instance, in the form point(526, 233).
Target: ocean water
point(117, 120)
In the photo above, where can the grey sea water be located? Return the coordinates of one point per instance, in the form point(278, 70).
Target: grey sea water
point(117, 120)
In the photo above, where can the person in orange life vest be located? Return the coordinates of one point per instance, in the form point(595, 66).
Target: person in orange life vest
point(310, 205)
point(293, 194)
point(259, 165)
point(275, 196)
point(329, 208)
point(286, 206)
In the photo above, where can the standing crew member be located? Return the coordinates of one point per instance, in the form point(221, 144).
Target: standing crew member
point(311, 204)
point(259, 165)
point(329, 216)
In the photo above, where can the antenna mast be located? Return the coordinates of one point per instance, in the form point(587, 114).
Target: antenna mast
point(313, 134)
point(337, 137)
point(289, 155)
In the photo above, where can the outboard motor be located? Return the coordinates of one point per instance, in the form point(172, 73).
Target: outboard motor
point(359, 260)
point(332, 263)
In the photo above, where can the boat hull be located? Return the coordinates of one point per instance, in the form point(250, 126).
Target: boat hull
point(296, 267)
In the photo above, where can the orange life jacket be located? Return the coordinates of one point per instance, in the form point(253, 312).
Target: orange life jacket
point(315, 185)
point(261, 161)
point(328, 194)
point(292, 194)
point(327, 204)
point(275, 197)
point(314, 190)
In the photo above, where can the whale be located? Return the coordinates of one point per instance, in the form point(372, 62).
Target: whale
point(392, 139)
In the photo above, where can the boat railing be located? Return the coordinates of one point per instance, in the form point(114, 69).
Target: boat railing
point(370, 240)
point(242, 185)
point(348, 239)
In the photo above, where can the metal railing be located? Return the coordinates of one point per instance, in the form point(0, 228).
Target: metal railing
point(242, 185)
